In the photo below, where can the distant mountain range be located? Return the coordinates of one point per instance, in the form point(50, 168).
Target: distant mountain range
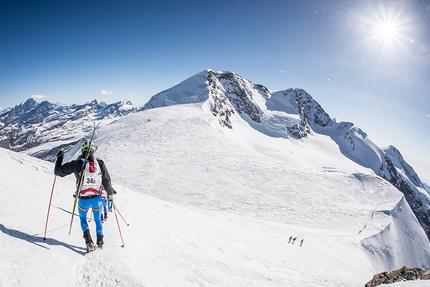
point(31, 124)
point(40, 129)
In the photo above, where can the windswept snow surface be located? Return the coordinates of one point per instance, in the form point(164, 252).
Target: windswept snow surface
point(191, 90)
point(208, 206)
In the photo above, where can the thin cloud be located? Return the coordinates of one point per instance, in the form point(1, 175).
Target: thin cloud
point(103, 92)
point(35, 97)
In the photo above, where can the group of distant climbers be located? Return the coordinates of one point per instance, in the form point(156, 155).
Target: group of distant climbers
point(292, 240)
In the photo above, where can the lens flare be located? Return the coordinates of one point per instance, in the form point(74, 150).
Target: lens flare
point(387, 30)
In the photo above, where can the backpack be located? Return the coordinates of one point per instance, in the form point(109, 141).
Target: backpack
point(92, 180)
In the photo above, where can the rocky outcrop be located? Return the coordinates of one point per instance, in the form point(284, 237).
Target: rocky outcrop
point(221, 106)
point(400, 174)
point(402, 274)
point(239, 92)
point(310, 109)
point(299, 102)
point(231, 93)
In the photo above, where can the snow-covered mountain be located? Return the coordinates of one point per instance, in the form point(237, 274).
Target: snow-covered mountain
point(293, 113)
point(32, 124)
point(209, 206)
point(227, 148)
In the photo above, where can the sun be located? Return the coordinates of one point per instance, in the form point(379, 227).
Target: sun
point(387, 30)
point(386, 27)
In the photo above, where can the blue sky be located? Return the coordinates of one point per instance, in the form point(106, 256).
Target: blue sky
point(367, 62)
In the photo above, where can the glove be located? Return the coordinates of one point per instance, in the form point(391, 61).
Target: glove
point(60, 153)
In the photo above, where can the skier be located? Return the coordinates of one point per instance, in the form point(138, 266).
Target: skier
point(110, 201)
point(95, 175)
point(294, 239)
point(105, 199)
point(301, 242)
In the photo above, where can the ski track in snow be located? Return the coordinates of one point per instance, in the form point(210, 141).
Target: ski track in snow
point(95, 272)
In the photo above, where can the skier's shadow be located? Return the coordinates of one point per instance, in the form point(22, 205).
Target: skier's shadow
point(66, 211)
point(37, 239)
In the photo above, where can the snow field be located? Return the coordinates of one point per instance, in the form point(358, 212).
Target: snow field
point(205, 207)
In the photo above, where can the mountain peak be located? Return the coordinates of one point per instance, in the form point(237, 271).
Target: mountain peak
point(30, 101)
point(293, 114)
point(229, 93)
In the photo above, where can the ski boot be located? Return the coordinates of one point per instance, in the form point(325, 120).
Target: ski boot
point(100, 241)
point(88, 241)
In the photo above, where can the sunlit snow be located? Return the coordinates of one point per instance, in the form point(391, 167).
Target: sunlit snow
point(208, 206)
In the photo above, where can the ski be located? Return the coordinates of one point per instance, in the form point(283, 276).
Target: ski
point(78, 190)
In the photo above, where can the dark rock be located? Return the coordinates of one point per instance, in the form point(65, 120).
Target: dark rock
point(402, 274)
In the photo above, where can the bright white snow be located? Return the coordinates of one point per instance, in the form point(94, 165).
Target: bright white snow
point(208, 206)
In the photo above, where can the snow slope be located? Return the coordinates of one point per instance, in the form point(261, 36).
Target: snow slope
point(295, 115)
point(207, 206)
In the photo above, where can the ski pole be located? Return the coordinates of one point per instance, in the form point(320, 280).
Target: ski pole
point(115, 208)
point(73, 212)
point(49, 207)
point(78, 191)
point(119, 228)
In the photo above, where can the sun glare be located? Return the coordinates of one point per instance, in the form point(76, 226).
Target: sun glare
point(387, 30)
